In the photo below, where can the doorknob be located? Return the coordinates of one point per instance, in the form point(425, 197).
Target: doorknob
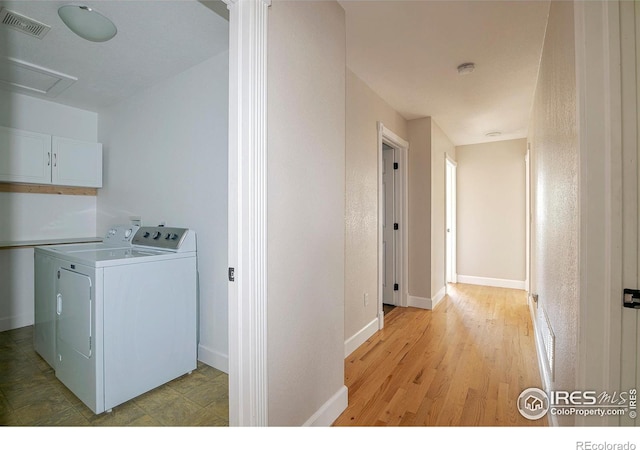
point(448, 230)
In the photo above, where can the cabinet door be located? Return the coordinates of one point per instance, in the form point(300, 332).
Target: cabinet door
point(25, 157)
point(76, 163)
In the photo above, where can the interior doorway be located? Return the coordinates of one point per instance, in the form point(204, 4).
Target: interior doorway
point(450, 214)
point(392, 221)
point(390, 283)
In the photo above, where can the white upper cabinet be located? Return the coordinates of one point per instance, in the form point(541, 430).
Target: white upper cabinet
point(76, 163)
point(27, 157)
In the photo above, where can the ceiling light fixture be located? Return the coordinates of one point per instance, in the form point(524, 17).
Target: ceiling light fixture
point(466, 68)
point(87, 23)
point(493, 134)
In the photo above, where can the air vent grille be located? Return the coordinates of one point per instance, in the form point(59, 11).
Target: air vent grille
point(23, 23)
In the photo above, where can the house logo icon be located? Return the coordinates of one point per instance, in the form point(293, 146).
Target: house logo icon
point(533, 403)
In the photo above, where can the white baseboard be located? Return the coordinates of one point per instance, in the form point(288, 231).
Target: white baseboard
point(13, 322)
point(540, 353)
point(418, 302)
point(360, 337)
point(438, 297)
point(331, 410)
point(213, 358)
point(495, 282)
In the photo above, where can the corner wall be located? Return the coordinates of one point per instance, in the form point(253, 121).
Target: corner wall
point(556, 213)
point(306, 212)
point(364, 109)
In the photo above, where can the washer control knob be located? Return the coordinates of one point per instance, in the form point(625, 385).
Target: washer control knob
point(146, 234)
point(128, 233)
point(168, 236)
point(174, 237)
point(157, 235)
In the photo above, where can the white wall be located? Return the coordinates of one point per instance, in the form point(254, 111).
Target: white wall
point(38, 216)
point(554, 146)
point(491, 213)
point(419, 131)
point(165, 160)
point(364, 109)
point(306, 208)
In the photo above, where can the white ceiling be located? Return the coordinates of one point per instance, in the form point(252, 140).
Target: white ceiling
point(155, 40)
point(408, 52)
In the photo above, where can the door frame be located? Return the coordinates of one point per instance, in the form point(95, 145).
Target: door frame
point(247, 211)
point(386, 136)
point(450, 203)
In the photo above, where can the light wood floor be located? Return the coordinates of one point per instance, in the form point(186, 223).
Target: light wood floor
point(463, 364)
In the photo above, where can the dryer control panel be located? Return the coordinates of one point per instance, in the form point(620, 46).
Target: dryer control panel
point(166, 238)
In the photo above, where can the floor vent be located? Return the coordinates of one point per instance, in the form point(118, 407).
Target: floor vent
point(22, 23)
point(549, 340)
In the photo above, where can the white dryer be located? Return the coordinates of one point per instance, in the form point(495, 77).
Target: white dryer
point(126, 318)
point(45, 268)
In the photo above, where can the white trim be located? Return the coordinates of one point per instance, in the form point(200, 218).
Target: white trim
point(330, 411)
point(388, 137)
point(418, 302)
point(248, 397)
point(438, 297)
point(213, 358)
point(355, 341)
point(527, 258)
point(495, 282)
point(599, 119)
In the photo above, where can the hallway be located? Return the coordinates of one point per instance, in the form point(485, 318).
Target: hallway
point(463, 364)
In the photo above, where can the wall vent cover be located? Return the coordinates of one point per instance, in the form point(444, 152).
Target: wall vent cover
point(22, 23)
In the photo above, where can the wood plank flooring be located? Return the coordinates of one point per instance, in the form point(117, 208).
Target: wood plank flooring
point(463, 364)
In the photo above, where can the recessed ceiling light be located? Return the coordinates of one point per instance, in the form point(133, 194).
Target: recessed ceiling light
point(466, 68)
point(493, 134)
point(87, 23)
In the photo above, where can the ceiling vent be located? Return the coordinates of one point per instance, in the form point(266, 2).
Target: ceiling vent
point(23, 23)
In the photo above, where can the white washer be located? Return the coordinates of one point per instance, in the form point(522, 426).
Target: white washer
point(126, 318)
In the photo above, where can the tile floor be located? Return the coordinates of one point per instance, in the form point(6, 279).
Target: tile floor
point(31, 395)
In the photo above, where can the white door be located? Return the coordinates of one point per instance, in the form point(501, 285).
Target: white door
point(75, 366)
point(388, 232)
point(450, 265)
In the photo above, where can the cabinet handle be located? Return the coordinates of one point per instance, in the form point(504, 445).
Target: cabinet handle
point(59, 304)
point(48, 159)
point(55, 160)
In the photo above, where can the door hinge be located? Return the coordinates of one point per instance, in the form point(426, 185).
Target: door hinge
point(232, 274)
point(631, 298)
point(396, 287)
point(395, 166)
point(395, 226)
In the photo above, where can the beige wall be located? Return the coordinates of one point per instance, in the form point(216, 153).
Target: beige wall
point(491, 210)
point(420, 207)
point(554, 143)
point(305, 218)
point(440, 146)
point(364, 109)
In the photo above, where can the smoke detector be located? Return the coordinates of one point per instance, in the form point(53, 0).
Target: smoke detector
point(22, 23)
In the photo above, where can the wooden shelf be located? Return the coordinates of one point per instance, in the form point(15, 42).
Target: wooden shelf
point(47, 189)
